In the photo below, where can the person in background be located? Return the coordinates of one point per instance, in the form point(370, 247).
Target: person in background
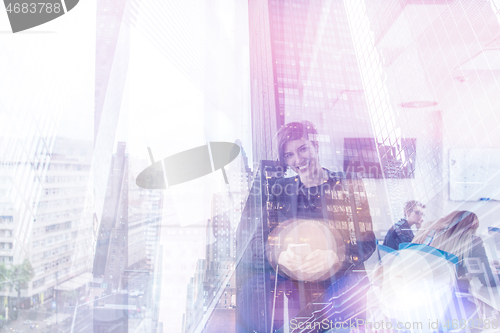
point(401, 232)
point(456, 233)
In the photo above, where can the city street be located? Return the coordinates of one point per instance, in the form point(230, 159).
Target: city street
point(39, 321)
point(47, 322)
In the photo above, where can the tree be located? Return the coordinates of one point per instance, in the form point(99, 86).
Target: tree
point(20, 275)
point(4, 273)
point(4, 277)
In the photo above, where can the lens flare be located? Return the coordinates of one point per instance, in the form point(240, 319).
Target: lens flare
point(413, 286)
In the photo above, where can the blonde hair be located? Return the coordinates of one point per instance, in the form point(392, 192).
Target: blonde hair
point(453, 233)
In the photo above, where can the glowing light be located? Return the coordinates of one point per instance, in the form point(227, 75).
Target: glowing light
point(413, 285)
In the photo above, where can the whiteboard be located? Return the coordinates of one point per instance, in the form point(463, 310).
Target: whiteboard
point(474, 174)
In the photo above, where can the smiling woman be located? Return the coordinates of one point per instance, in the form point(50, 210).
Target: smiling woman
point(302, 157)
point(298, 147)
point(318, 233)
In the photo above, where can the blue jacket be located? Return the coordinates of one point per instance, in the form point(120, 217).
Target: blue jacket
point(399, 233)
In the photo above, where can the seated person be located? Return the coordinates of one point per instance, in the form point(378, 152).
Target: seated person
point(455, 233)
point(401, 232)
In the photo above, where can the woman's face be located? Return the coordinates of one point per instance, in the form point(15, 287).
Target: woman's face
point(302, 156)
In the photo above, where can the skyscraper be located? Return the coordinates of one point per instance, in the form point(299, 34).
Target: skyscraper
point(304, 66)
point(215, 274)
point(111, 258)
point(111, 253)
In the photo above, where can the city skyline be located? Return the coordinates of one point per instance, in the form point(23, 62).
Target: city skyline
point(403, 94)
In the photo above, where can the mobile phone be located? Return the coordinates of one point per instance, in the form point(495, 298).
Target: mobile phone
point(301, 249)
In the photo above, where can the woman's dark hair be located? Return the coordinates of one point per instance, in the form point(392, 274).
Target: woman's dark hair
point(295, 131)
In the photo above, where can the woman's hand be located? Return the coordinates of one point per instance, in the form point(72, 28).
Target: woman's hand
point(290, 260)
point(319, 261)
point(315, 262)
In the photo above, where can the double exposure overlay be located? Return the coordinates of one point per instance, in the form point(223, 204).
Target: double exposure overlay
point(252, 166)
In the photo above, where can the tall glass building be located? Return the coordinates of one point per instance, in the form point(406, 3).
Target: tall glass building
point(304, 66)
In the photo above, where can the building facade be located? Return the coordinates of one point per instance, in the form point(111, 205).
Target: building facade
point(59, 222)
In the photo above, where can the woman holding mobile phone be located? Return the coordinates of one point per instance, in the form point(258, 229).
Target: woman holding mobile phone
point(320, 229)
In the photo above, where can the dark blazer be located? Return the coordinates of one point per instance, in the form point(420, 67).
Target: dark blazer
point(399, 233)
point(342, 205)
